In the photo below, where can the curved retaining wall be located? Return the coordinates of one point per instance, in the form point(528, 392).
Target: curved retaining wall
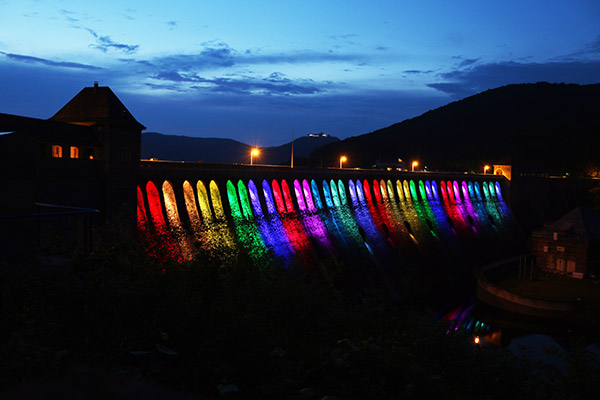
point(491, 294)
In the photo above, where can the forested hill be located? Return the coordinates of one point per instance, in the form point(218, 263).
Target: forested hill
point(555, 127)
point(218, 150)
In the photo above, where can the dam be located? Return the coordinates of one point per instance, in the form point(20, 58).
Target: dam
point(312, 218)
point(88, 156)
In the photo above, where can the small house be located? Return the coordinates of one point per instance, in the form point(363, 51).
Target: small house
point(570, 245)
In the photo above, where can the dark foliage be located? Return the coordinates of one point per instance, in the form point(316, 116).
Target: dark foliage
point(212, 330)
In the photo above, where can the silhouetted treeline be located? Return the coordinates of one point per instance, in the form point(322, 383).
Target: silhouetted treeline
point(550, 127)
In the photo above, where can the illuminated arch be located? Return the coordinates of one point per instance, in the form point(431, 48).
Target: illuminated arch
point(377, 191)
point(215, 196)
point(245, 200)
point(498, 190)
point(359, 191)
point(203, 201)
point(476, 189)
point(456, 191)
point(299, 196)
point(287, 196)
point(307, 196)
point(471, 191)
point(327, 193)
point(190, 205)
point(428, 190)
point(465, 190)
point(406, 188)
point(367, 191)
point(352, 190)
point(254, 199)
point(234, 204)
point(399, 190)
point(413, 190)
point(390, 190)
point(342, 192)
point(279, 202)
point(316, 196)
point(422, 191)
point(268, 197)
point(334, 193)
point(434, 190)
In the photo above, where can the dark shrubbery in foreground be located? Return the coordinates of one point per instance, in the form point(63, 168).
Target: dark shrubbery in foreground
point(211, 330)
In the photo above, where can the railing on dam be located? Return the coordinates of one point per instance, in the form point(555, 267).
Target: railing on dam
point(307, 215)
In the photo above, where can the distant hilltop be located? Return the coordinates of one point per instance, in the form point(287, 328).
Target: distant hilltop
point(217, 150)
point(539, 126)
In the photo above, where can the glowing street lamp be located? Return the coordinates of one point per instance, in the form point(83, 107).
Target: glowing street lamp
point(485, 169)
point(253, 152)
point(414, 164)
point(342, 160)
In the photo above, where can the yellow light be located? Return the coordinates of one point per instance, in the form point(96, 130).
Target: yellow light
point(485, 169)
point(414, 164)
point(476, 339)
point(343, 159)
point(255, 152)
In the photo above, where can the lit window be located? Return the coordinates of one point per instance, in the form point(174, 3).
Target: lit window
point(56, 151)
point(545, 249)
point(555, 236)
point(560, 248)
point(74, 152)
point(560, 264)
point(571, 266)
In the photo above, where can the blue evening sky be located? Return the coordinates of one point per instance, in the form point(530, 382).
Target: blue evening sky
point(256, 71)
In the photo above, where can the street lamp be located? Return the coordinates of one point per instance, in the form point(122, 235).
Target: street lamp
point(253, 152)
point(342, 160)
point(485, 169)
point(414, 164)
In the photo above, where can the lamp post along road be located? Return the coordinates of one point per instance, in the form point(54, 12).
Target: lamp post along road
point(342, 160)
point(253, 152)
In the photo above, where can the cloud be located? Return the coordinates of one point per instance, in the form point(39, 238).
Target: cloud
point(467, 62)
point(417, 71)
point(274, 84)
point(590, 49)
point(172, 25)
point(105, 43)
point(464, 82)
point(69, 15)
point(43, 61)
point(260, 109)
point(221, 55)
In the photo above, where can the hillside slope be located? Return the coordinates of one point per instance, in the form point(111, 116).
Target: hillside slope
point(216, 150)
point(555, 127)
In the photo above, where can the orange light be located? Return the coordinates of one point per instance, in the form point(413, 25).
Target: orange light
point(476, 339)
point(414, 164)
point(254, 152)
point(485, 169)
point(343, 159)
